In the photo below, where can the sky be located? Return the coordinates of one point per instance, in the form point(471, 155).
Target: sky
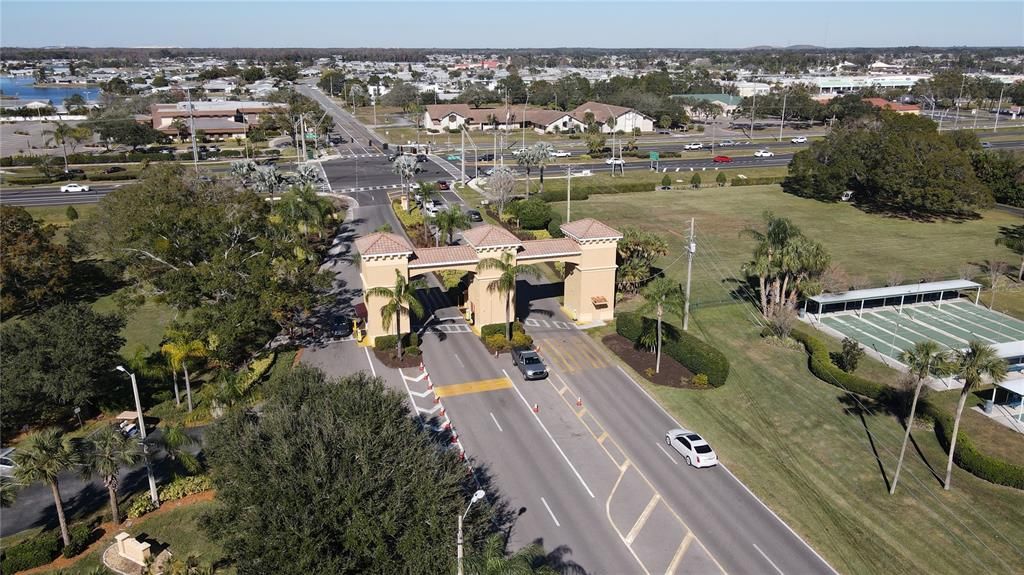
point(523, 24)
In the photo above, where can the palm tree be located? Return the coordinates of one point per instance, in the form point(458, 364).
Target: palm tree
point(173, 441)
point(405, 167)
point(8, 491)
point(971, 365)
point(1013, 238)
point(450, 220)
point(527, 158)
point(543, 150)
point(924, 359)
point(179, 350)
point(105, 453)
point(401, 298)
point(505, 284)
point(303, 211)
point(64, 134)
point(243, 171)
point(493, 560)
point(663, 295)
point(43, 456)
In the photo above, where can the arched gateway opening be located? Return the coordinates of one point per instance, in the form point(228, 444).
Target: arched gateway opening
point(588, 251)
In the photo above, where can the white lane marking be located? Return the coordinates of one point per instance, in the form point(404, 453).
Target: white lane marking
point(667, 454)
point(370, 361)
point(550, 512)
point(496, 424)
point(548, 433)
point(736, 479)
point(459, 359)
point(770, 562)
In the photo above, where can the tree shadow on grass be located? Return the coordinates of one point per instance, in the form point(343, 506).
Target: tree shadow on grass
point(856, 406)
point(93, 279)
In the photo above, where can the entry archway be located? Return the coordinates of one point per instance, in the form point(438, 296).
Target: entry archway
point(588, 251)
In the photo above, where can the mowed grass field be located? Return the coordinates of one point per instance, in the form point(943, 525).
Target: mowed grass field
point(865, 245)
point(821, 459)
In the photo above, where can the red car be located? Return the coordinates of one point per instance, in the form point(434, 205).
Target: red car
point(721, 159)
point(443, 185)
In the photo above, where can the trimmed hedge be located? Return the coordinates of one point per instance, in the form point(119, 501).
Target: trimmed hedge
point(757, 181)
point(584, 190)
point(388, 342)
point(693, 353)
point(30, 553)
point(81, 537)
point(493, 337)
point(822, 367)
point(182, 487)
point(967, 456)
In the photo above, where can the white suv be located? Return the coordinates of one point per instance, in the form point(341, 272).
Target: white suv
point(764, 154)
point(799, 140)
point(694, 146)
point(695, 451)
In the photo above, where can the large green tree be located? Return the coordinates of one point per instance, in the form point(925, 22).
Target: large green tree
point(34, 269)
point(1003, 172)
point(103, 454)
point(42, 457)
point(786, 264)
point(59, 360)
point(662, 296)
point(637, 250)
point(971, 364)
point(345, 482)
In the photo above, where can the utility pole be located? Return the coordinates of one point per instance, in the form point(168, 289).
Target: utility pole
point(999, 108)
point(691, 249)
point(302, 119)
point(462, 153)
point(753, 110)
point(192, 130)
point(783, 124)
point(568, 194)
point(523, 120)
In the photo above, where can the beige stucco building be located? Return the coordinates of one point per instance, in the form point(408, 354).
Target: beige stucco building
point(588, 251)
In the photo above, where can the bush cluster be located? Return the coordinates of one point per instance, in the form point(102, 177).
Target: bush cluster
point(967, 455)
point(81, 537)
point(139, 505)
point(387, 342)
point(691, 352)
point(115, 157)
point(757, 181)
point(554, 225)
point(38, 550)
point(584, 190)
point(181, 487)
point(533, 214)
point(493, 336)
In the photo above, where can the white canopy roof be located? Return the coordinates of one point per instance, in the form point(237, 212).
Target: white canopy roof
point(1014, 385)
point(896, 291)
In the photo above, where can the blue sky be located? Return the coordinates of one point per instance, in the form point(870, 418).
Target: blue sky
point(529, 24)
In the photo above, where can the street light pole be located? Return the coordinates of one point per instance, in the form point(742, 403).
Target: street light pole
point(999, 108)
point(142, 433)
point(458, 553)
point(691, 248)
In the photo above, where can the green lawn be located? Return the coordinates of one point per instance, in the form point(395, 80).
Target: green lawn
point(178, 528)
point(865, 245)
point(802, 445)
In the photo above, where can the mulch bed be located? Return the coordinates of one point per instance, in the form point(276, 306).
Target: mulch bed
point(390, 359)
point(672, 373)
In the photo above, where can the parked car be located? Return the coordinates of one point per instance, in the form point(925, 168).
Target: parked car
point(74, 188)
point(560, 154)
point(7, 462)
point(453, 157)
point(113, 170)
point(529, 363)
point(764, 154)
point(986, 145)
point(430, 210)
point(693, 146)
point(486, 158)
point(421, 158)
point(75, 171)
point(443, 185)
point(695, 451)
point(615, 161)
point(799, 140)
point(664, 132)
point(474, 216)
point(721, 159)
point(726, 143)
point(489, 172)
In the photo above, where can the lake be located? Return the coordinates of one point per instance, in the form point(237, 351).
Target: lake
point(23, 89)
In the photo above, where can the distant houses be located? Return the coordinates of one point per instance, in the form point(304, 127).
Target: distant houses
point(609, 118)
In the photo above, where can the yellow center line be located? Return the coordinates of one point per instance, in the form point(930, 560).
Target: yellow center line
point(472, 387)
point(679, 553)
point(644, 516)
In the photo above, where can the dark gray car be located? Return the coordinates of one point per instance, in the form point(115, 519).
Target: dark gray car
point(529, 363)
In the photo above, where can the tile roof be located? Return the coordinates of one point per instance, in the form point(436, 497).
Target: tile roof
point(489, 235)
point(589, 229)
point(379, 244)
point(545, 248)
point(445, 255)
point(601, 111)
point(895, 106)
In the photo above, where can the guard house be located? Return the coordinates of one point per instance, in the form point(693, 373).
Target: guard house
point(588, 251)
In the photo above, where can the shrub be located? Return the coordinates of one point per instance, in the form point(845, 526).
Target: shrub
point(821, 366)
point(496, 342)
point(413, 351)
point(534, 214)
point(139, 505)
point(71, 213)
point(452, 278)
point(757, 181)
point(30, 553)
point(81, 537)
point(666, 181)
point(700, 380)
point(695, 181)
point(554, 225)
point(969, 458)
point(691, 352)
point(520, 340)
point(848, 359)
point(720, 179)
point(385, 342)
point(181, 487)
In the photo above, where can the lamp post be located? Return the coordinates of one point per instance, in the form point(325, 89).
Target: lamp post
point(458, 554)
point(142, 433)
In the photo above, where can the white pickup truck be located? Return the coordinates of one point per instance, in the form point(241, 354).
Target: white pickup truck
point(560, 154)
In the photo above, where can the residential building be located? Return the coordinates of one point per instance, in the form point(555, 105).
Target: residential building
point(611, 118)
